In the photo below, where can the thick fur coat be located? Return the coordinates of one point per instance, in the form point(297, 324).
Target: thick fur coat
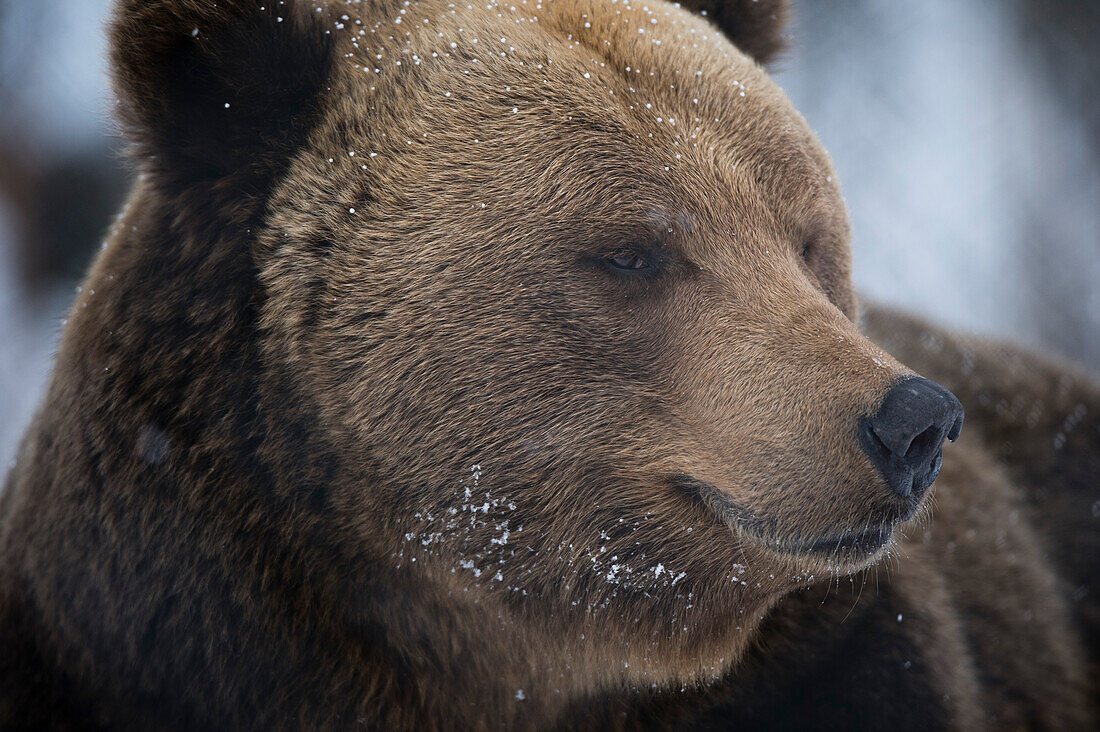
point(479, 366)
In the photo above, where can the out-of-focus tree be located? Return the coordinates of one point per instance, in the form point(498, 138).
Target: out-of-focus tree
point(60, 176)
point(1062, 250)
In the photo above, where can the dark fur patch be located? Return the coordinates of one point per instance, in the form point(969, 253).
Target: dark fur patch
point(216, 90)
point(754, 27)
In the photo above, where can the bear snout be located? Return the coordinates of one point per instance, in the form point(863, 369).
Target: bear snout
point(904, 439)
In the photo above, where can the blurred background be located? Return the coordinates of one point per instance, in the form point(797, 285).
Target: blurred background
point(966, 134)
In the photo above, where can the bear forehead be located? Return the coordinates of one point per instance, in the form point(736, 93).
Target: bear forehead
point(650, 92)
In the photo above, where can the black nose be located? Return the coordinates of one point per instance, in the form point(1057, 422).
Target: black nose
point(904, 440)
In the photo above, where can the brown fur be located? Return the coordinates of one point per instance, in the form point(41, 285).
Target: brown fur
point(984, 618)
point(352, 424)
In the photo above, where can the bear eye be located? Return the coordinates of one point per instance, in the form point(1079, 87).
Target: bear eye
point(629, 261)
point(807, 249)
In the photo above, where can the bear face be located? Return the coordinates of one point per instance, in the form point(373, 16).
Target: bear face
point(589, 289)
point(565, 287)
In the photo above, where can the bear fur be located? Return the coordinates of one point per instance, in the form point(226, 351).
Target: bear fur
point(355, 423)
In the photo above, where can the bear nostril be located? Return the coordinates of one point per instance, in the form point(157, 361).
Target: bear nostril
point(903, 440)
point(922, 442)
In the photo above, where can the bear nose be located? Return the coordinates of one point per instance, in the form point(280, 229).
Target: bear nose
point(904, 440)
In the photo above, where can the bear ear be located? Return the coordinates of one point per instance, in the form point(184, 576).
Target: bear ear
point(209, 90)
point(754, 26)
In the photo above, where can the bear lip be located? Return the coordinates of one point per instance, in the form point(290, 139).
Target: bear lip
point(850, 545)
point(855, 543)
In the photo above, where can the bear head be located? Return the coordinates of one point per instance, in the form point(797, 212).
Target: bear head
point(557, 297)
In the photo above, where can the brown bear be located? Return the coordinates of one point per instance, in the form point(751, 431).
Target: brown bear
point(495, 365)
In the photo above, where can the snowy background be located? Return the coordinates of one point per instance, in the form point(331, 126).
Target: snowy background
point(966, 134)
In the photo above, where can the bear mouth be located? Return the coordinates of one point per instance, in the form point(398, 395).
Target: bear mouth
point(845, 546)
point(852, 545)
